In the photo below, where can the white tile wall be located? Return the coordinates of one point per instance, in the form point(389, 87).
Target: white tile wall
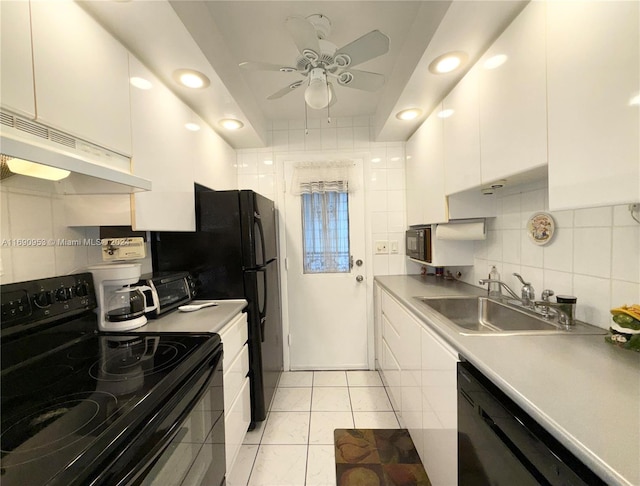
point(383, 173)
point(34, 215)
point(594, 254)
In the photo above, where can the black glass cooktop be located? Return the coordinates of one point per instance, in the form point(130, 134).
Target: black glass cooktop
point(81, 394)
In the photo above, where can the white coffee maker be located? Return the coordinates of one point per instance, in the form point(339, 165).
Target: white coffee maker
point(121, 304)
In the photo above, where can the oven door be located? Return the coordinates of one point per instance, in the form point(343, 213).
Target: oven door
point(196, 454)
point(182, 442)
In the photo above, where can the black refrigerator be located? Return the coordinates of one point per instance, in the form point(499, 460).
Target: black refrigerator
point(233, 254)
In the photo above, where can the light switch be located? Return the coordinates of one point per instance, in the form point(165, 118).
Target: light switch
point(382, 247)
point(394, 246)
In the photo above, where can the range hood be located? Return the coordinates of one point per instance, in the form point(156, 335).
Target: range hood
point(93, 169)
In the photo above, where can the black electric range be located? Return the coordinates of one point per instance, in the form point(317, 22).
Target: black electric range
point(81, 407)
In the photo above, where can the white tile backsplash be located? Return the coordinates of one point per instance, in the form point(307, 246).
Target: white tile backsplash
point(39, 216)
point(592, 251)
point(594, 254)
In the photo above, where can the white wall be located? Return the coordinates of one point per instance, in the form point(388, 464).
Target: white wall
point(383, 174)
point(29, 216)
point(594, 254)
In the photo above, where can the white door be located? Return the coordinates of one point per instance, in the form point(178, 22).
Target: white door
point(327, 311)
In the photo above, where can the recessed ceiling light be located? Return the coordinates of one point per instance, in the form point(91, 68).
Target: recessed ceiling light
point(140, 83)
point(231, 123)
point(194, 127)
point(376, 160)
point(448, 62)
point(446, 113)
point(410, 114)
point(190, 78)
point(495, 61)
point(267, 162)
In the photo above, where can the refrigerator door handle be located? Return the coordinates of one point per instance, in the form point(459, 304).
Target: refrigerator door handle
point(263, 311)
point(257, 221)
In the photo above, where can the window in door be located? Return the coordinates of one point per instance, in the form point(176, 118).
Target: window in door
point(325, 232)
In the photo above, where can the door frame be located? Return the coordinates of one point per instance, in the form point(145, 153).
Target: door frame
point(281, 159)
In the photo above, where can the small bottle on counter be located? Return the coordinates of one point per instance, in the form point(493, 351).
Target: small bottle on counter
point(494, 288)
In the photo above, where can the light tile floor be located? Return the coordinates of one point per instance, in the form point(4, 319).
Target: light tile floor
point(294, 446)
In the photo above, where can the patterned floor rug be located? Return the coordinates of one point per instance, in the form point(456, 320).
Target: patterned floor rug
point(377, 457)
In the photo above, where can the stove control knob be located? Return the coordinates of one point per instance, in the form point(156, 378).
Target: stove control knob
point(82, 289)
point(43, 299)
point(63, 294)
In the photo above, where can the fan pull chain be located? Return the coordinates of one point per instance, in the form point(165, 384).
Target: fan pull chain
point(329, 98)
point(306, 128)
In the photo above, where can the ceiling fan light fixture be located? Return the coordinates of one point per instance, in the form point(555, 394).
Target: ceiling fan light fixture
point(191, 78)
point(447, 63)
point(409, 114)
point(317, 95)
point(231, 123)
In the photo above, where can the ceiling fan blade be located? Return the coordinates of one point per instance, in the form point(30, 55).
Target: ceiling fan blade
point(367, 47)
point(361, 80)
point(303, 33)
point(265, 66)
point(285, 90)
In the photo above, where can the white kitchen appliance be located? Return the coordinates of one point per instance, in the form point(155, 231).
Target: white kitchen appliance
point(121, 304)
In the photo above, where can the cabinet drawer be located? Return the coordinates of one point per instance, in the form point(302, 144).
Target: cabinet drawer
point(394, 312)
point(391, 371)
point(234, 335)
point(390, 335)
point(236, 422)
point(234, 376)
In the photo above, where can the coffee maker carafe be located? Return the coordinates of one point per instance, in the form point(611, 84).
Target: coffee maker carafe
point(121, 307)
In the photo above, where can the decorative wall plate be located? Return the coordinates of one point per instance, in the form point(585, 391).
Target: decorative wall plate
point(540, 228)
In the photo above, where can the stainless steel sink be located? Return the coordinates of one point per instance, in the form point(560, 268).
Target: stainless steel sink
point(481, 315)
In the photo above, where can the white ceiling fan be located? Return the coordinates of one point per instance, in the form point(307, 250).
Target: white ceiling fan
point(320, 61)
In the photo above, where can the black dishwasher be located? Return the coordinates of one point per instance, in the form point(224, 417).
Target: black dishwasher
point(500, 444)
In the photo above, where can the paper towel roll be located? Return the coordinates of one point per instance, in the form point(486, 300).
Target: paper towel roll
point(461, 231)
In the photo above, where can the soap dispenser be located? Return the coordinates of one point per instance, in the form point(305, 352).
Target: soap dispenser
point(494, 288)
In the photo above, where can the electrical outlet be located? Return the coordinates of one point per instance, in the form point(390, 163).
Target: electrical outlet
point(394, 246)
point(382, 247)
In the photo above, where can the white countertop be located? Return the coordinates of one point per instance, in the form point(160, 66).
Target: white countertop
point(205, 320)
point(584, 391)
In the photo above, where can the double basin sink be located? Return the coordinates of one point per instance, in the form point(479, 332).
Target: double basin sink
point(481, 315)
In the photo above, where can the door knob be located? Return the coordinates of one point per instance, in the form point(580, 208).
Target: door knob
point(359, 278)
point(359, 263)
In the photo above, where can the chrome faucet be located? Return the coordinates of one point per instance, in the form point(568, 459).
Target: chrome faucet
point(563, 318)
point(502, 284)
point(528, 293)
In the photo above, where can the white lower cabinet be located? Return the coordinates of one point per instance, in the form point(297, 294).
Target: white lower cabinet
point(419, 371)
point(237, 402)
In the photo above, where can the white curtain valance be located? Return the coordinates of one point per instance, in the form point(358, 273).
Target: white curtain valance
point(324, 176)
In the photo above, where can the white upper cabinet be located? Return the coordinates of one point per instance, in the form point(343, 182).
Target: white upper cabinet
point(163, 151)
point(512, 98)
point(16, 68)
point(81, 76)
point(462, 136)
point(593, 72)
point(426, 202)
point(214, 160)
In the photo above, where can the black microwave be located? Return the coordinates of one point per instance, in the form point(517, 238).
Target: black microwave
point(419, 244)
